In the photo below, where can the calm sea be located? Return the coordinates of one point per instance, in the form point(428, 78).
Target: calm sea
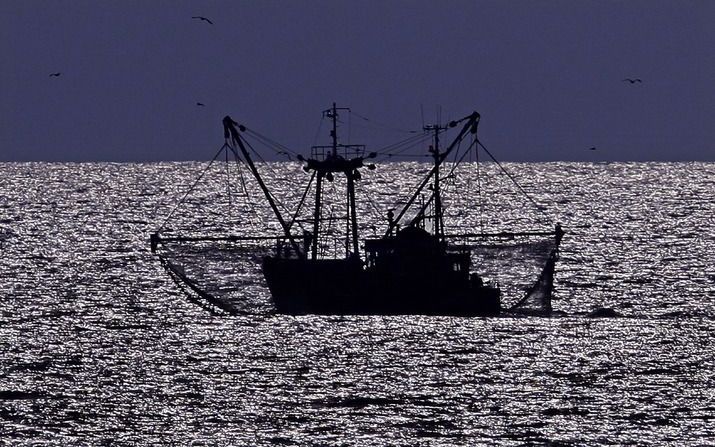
point(99, 347)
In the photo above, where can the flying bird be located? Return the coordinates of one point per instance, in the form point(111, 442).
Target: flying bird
point(592, 149)
point(200, 104)
point(632, 81)
point(55, 74)
point(202, 18)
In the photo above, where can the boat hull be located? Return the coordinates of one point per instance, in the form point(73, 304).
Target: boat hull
point(345, 287)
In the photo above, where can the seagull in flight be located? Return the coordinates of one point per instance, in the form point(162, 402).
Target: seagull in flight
point(56, 75)
point(203, 18)
point(200, 104)
point(592, 149)
point(632, 81)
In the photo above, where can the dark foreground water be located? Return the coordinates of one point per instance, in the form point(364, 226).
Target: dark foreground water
point(99, 347)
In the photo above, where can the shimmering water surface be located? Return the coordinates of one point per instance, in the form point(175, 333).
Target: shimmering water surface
point(99, 347)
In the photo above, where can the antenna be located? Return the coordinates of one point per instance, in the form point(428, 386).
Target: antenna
point(332, 113)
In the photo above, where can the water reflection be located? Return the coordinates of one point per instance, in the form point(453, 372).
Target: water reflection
point(98, 346)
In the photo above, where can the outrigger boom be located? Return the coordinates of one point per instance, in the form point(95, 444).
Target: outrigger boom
point(229, 130)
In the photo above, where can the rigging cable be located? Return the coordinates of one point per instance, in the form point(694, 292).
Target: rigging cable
point(302, 200)
point(275, 176)
point(400, 147)
point(252, 207)
point(375, 211)
point(479, 192)
point(191, 188)
point(228, 185)
point(384, 126)
point(539, 207)
point(410, 141)
point(276, 147)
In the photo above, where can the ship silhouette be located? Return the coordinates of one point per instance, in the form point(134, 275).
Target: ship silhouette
point(417, 267)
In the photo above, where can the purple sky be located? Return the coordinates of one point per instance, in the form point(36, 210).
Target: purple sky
point(545, 75)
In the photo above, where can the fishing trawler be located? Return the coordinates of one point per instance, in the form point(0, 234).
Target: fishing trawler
point(415, 267)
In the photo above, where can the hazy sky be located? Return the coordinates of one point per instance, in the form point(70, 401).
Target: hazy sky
point(545, 75)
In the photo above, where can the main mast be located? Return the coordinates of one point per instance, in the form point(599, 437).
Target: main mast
point(470, 126)
point(332, 113)
point(340, 158)
point(438, 221)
